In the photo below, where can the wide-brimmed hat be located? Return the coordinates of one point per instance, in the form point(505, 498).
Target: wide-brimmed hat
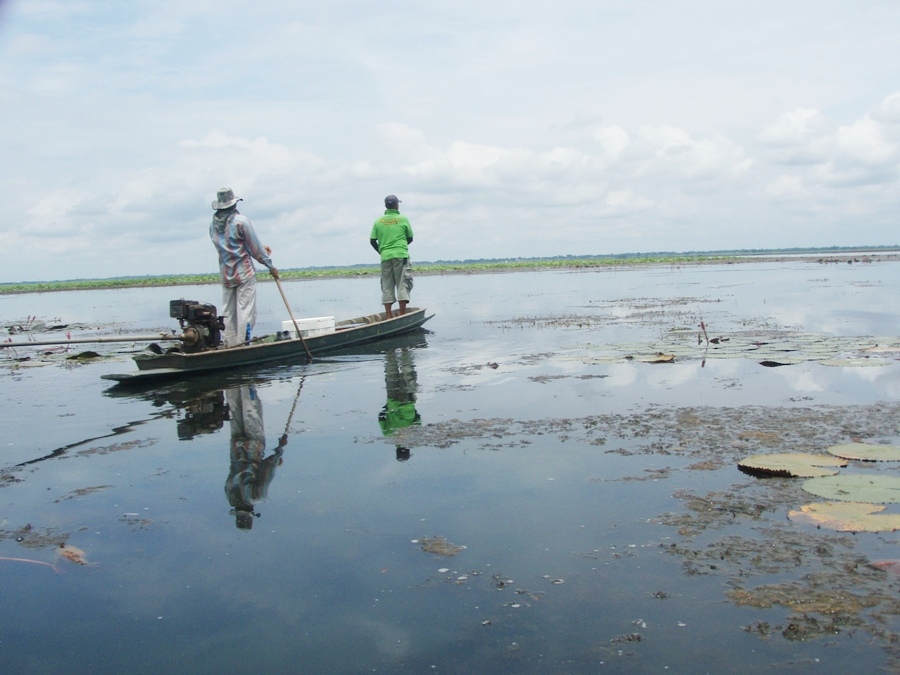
point(391, 201)
point(225, 199)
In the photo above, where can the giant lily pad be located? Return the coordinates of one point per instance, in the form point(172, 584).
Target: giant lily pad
point(872, 488)
point(84, 356)
point(866, 452)
point(797, 464)
point(878, 349)
point(656, 358)
point(781, 361)
point(847, 517)
point(855, 363)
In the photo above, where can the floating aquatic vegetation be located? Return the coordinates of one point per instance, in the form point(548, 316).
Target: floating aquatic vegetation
point(769, 439)
point(769, 347)
point(706, 465)
point(872, 488)
point(847, 517)
point(794, 464)
point(82, 492)
point(597, 360)
point(439, 546)
point(855, 363)
point(800, 598)
point(866, 452)
point(544, 379)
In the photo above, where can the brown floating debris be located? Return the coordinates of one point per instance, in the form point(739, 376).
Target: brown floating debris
point(73, 554)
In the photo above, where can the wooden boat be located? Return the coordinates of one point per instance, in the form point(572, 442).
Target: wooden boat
point(159, 364)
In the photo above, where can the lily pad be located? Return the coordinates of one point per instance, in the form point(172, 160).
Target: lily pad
point(774, 363)
point(656, 358)
point(796, 464)
point(855, 363)
point(600, 360)
point(866, 452)
point(847, 517)
point(872, 488)
point(84, 356)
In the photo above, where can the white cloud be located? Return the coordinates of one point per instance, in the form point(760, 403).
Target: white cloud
point(786, 186)
point(858, 155)
point(673, 152)
point(538, 131)
point(613, 140)
point(866, 142)
point(793, 128)
point(888, 111)
point(405, 141)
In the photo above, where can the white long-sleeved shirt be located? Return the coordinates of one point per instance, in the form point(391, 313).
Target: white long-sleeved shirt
point(238, 246)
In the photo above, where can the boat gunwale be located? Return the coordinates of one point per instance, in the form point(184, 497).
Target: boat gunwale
point(244, 354)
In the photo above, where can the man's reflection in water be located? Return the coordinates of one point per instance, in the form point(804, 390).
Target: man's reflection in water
point(400, 409)
point(251, 472)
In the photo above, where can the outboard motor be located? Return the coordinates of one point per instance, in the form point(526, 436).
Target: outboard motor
point(201, 328)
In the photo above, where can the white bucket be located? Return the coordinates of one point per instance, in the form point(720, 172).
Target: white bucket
point(319, 325)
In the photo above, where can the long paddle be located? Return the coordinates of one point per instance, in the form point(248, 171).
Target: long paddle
point(291, 314)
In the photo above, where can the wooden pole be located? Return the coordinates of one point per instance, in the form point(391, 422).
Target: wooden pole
point(291, 314)
point(73, 341)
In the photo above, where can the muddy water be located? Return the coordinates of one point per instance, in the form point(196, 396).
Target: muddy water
point(518, 489)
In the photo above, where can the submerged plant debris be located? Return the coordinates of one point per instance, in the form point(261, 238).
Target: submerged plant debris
point(701, 433)
point(439, 546)
point(82, 492)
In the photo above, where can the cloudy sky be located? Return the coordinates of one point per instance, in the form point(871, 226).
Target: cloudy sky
point(513, 128)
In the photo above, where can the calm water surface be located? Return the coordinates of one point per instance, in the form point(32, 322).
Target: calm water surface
point(293, 518)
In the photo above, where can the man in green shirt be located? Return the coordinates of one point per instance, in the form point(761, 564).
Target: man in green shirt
point(391, 236)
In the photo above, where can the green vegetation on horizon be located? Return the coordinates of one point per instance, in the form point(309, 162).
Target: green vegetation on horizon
point(438, 267)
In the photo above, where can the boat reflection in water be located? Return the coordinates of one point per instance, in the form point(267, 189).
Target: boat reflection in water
point(203, 415)
point(203, 404)
point(400, 409)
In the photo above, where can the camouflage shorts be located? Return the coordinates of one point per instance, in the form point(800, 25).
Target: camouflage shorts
point(396, 280)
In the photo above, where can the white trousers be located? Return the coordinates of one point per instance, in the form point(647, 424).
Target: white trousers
point(239, 310)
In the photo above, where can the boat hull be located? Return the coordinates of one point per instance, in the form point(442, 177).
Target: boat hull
point(348, 333)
